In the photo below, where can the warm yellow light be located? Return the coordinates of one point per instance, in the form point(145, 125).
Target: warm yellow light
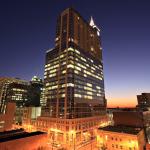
point(72, 131)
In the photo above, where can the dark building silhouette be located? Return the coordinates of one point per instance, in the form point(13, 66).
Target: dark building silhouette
point(143, 100)
point(34, 92)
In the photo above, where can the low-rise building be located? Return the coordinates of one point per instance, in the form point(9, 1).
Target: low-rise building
point(6, 118)
point(121, 138)
point(128, 118)
point(21, 140)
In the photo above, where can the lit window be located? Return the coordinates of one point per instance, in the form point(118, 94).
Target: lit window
point(89, 93)
point(87, 65)
point(83, 59)
point(92, 49)
point(78, 68)
point(77, 95)
point(54, 87)
point(77, 51)
point(70, 66)
point(47, 84)
point(70, 84)
point(52, 75)
point(64, 63)
point(98, 87)
point(64, 71)
point(62, 95)
point(77, 72)
point(70, 49)
point(89, 84)
point(57, 39)
point(85, 75)
point(98, 94)
point(93, 68)
point(61, 56)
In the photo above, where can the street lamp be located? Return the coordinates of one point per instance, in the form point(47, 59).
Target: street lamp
point(73, 138)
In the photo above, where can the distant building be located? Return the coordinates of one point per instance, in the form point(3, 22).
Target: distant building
point(34, 92)
point(143, 101)
point(7, 117)
point(22, 92)
point(121, 138)
point(13, 89)
point(21, 140)
point(17, 91)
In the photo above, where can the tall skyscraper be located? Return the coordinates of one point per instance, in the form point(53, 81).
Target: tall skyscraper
point(73, 82)
point(73, 78)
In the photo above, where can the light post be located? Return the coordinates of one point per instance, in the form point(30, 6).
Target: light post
point(91, 142)
point(73, 139)
point(52, 140)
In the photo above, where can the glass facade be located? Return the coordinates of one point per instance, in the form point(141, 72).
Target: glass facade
point(73, 78)
point(74, 81)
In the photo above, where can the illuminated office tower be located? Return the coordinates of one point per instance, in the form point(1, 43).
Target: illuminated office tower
point(73, 81)
point(74, 70)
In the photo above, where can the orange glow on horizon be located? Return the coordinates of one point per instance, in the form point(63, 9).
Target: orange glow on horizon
point(121, 102)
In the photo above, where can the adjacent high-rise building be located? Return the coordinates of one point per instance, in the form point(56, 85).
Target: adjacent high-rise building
point(13, 89)
point(74, 81)
point(22, 92)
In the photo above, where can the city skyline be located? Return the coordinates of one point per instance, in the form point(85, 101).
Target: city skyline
point(124, 75)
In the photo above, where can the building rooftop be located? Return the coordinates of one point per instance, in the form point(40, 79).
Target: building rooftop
point(19, 136)
point(122, 129)
point(11, 132)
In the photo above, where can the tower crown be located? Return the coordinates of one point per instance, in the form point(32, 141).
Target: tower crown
point(92, 24)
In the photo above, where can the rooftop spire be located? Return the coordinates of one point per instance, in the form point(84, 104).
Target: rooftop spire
point(92, 22)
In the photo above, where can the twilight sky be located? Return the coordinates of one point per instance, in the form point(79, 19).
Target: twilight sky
point(27, 30)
